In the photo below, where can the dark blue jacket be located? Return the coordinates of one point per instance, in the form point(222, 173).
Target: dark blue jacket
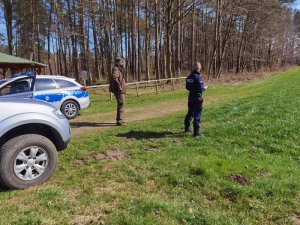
point(195, 86)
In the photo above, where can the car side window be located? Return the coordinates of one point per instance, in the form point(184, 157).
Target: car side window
point(64, 83)
point(44, 84)
point(16, 87)
point(19, 87)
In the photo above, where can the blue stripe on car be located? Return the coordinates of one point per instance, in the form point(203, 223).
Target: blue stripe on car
point(79, 93)
point(50, 97)
point(53, 97)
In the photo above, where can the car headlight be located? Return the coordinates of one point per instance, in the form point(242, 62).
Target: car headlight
point(59, 114)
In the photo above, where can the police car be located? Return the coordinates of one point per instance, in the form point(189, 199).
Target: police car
point(62, 92)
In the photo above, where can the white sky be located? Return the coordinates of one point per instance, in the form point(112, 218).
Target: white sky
point(297, 4)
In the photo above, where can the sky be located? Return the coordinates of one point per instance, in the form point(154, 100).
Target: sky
point(2, 24)
point(297, 4)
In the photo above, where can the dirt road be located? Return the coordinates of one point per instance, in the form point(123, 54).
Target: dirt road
point(90, 123)
point(84, 123)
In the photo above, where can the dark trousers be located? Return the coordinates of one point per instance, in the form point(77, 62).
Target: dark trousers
point(120, 97)
point(195, 110)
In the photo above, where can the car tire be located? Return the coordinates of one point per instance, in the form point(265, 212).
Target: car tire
point(70, 109)
point(41, 156)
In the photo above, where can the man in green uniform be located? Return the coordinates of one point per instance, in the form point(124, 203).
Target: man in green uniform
point(117, 86)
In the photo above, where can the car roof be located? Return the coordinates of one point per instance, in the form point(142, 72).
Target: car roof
point(20, 77)
point(39, 76)
point(54, 77)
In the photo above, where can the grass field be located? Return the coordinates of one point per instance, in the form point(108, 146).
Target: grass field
point(246, 170)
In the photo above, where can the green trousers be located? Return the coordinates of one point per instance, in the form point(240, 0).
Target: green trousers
point(120, 97)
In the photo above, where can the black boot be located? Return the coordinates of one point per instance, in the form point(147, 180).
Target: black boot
point(187, 129)
point(197, 133)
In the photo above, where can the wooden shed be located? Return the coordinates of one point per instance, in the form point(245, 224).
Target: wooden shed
point(13, 63)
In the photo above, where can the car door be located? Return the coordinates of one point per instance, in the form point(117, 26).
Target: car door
point(45, 89)
point(21, 87)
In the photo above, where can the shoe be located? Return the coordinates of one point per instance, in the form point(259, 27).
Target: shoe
point(187, 130)
point(198, 134)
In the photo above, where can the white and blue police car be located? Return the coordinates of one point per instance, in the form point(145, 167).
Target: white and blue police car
point(62, 92)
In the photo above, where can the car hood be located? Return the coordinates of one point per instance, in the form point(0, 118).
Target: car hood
point(13, 107)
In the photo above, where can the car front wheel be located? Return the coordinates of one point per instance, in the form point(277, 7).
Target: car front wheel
point(70, 109)
point(27, 160)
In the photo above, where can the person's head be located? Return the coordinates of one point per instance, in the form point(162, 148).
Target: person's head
point(120, 62)
point(197, 66)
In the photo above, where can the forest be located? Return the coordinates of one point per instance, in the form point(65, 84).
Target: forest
point(157, 38)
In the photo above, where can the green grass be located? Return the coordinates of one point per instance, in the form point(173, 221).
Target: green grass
point(171, 177)
point(100, 97)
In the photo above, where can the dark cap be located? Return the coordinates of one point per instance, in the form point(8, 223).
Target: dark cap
point(118, 59)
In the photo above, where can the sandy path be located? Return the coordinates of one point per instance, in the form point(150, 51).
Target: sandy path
point(90, 123)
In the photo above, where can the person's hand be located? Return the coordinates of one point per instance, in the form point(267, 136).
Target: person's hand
point(206, 87)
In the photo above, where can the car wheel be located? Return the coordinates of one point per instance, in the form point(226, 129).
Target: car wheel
point(27, 160)
point(70, 109)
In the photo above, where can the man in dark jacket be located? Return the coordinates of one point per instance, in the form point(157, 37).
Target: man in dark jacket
point(196, 87)
point(117, 86)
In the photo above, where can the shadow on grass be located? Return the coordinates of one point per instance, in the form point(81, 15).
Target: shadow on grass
point(3, 189)
point(87, 124)
point(139, 135)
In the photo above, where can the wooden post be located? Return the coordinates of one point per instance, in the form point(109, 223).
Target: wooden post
point(156, 85)
point(4, 72)
point(137, 90)
point(38, 70)
point(84, 76)
point(172, 81)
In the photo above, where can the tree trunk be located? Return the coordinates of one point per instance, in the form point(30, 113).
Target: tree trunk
point(169, 29)
point(48, 38)
point(139, 59)
point(192, 47)
point(147, 41)
point(8, 11)
point(133, 40)
point(157, 69)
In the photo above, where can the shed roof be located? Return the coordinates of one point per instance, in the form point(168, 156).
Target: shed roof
point(9, 61)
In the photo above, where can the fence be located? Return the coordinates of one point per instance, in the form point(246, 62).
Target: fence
point(137, 85)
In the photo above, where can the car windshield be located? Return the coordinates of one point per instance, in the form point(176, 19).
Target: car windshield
point(16, 87)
